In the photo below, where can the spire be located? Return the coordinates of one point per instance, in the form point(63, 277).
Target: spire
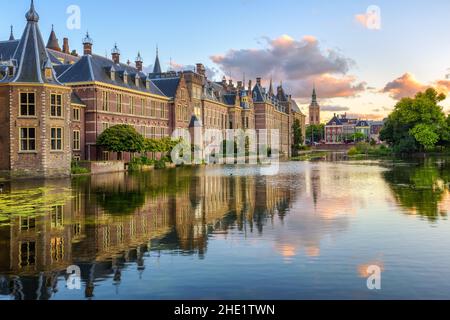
point(32, 15)
point(11, 36)
point(87, 44)
point(53, 41)
point(314, 102)
point(88, 39)
point(157, 67)
point(271, 87)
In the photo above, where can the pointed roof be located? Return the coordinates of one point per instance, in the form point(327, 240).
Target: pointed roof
point(314, 102)
point(157, 67)
point(11, 36)
point(271, 88)
point(335, 121)
point(53, 41)
point(31, 55)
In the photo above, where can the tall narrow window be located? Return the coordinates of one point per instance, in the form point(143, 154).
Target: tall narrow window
point(76, 140)
point(105, 99)
point(143, 107)
point(56, 105)
point(27, 104)
point(119, 103)
point(76, 114)
point(56, 139)
point(153, 109)
point(131, 105)
point(27, 139)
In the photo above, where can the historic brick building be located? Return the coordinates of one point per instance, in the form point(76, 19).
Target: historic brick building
point(55, 103)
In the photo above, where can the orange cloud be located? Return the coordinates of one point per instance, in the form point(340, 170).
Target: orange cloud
point(404, 86)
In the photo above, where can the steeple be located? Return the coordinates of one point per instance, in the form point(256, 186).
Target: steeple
point(271, 88)
point(157, 67)
point(11, 36)
point(314, 98)
point(53, 41)
point(33, 62)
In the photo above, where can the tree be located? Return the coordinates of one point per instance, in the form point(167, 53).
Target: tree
point(417, 124)
point(315, 132)
point(298, 135)
point(121, 138)
point(358, 137)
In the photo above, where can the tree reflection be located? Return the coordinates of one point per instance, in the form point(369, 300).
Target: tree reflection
point(421, 187)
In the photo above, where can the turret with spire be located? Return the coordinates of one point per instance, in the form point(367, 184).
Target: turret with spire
point(115, 54)
point(157, 67)
point(53, 41)
point(139, 62)
point(271, 88)
point(87, 44)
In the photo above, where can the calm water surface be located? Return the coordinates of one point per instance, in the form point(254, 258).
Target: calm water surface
point(309, 232)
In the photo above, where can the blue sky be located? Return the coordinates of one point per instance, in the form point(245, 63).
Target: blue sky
point(413, 37)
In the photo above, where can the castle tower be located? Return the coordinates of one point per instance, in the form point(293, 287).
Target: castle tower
point(157, 66)
point(36, 113)
point(314, 110)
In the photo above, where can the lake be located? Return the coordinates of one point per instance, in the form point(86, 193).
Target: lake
point(309, 232)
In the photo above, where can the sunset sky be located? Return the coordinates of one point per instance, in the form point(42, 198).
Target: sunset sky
point(356, 69)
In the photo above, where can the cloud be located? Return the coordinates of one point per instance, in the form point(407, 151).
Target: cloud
point(299, 63)
point(404, 86)
point(334, 108)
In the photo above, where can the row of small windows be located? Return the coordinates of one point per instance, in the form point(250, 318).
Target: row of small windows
point(28, 139)
point(158, 109)
point(28, 105)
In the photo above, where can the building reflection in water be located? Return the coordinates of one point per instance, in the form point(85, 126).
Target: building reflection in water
point(110, 221)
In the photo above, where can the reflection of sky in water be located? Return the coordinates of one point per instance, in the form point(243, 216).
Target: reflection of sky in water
point(336, 220)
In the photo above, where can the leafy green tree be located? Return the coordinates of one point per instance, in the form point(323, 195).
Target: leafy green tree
point(121, 138)
point(298, 135)
point(358, 137)
point(315, 132)
point(417, 124)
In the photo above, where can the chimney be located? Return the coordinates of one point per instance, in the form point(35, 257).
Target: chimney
point(201, 69)
point(239, 84)
point(66, 46)
point(87, 45)
point(249, 85)
point(115, 52)
point(258, 81)
point(224, 81)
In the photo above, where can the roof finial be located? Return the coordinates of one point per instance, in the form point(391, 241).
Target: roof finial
point(87, 39)
point(11, 36)
point(32, 15)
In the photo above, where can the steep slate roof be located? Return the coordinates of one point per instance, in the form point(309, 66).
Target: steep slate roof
point(335, 121)
point(295, 107)
point(258, 94)
point(314, 102)
point(7, 49)
point(31, 56)
point(97, 68)
point(230, 98)
point(168, 86)
point(75, 99)
point(362, 123)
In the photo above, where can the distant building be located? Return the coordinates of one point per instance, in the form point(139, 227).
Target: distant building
point(341, 129)
point(314, 110)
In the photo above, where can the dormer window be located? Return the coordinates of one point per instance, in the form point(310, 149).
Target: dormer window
point(11, 71)
point(48, 72)
point(125, 77)
point(148, 84)
point(137, 82)
point(113, 75)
